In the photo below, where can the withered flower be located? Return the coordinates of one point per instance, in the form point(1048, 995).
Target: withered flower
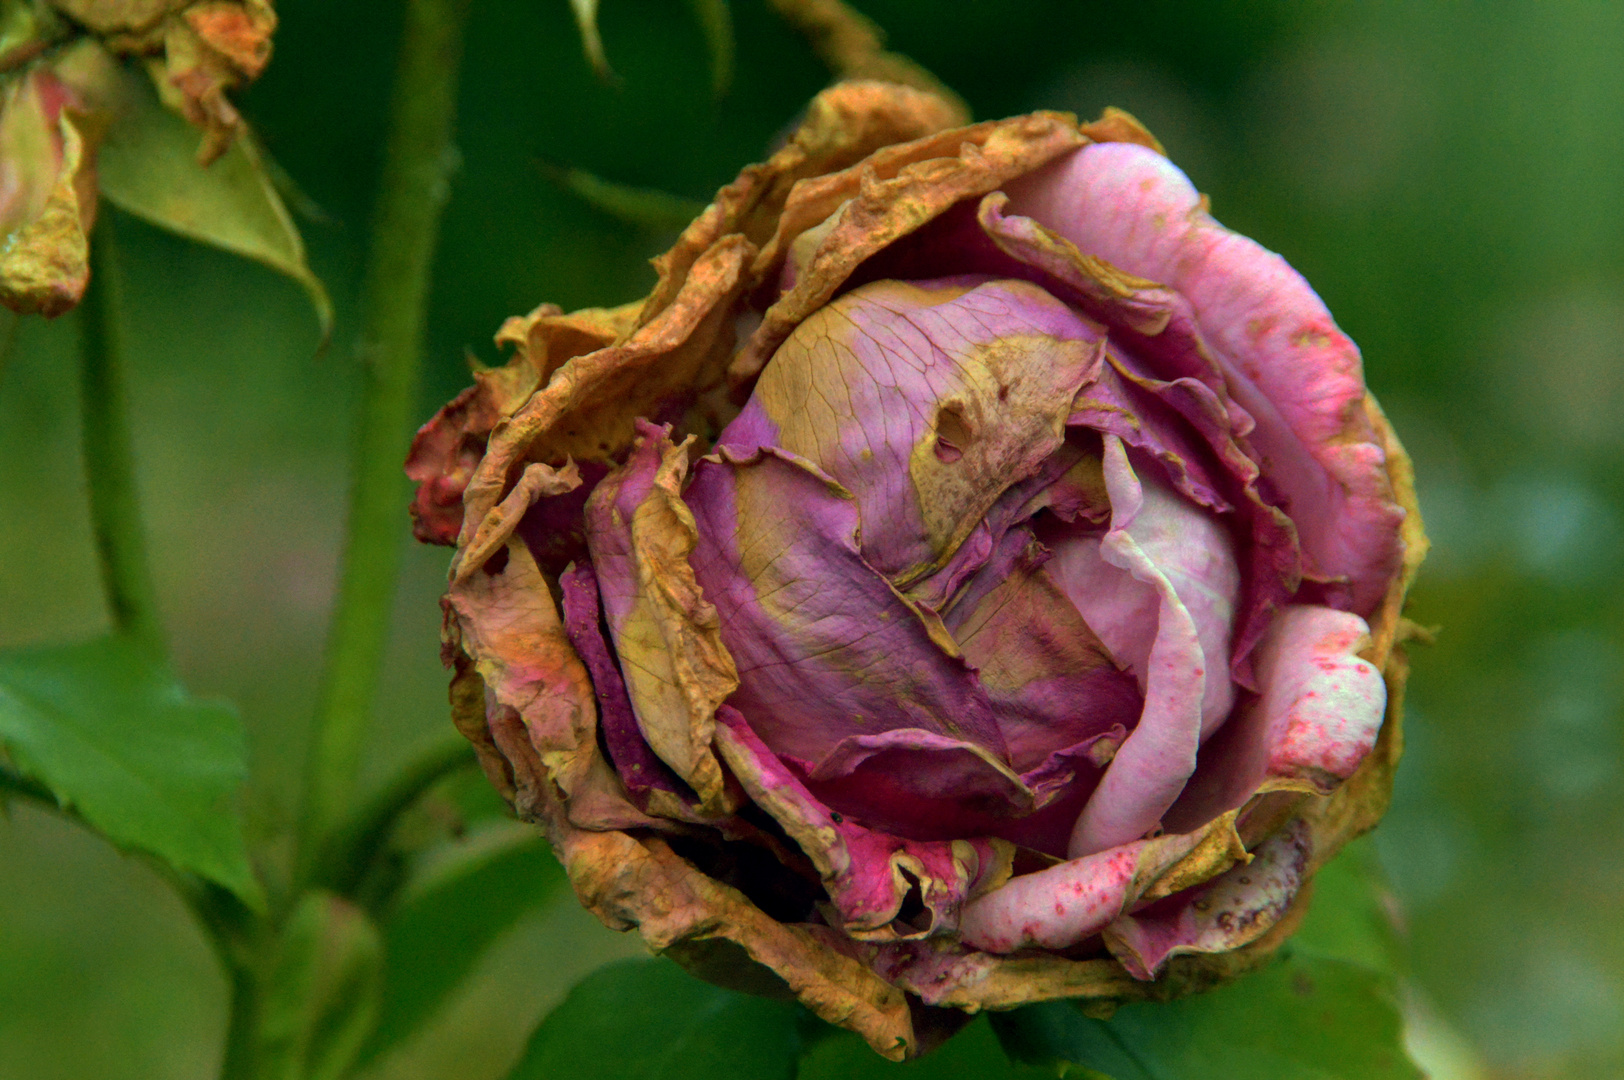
point(971, 577)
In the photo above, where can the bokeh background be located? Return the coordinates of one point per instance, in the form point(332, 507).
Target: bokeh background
point(1450, 176)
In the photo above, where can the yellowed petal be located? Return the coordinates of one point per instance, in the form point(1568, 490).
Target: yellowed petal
point(45, 264)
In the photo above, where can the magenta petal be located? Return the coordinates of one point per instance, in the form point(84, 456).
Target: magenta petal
point(826, 649)
point(636, 763)
point(867, 874)
point(1234, 908)
point(1160, 590)
point(1284, 359)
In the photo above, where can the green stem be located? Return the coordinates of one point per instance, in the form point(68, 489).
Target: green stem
point(241, 1058)
point(352, 849)
point(412, 191)
point(115, 512)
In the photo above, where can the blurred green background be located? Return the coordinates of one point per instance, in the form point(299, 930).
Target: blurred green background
point(1450, 176)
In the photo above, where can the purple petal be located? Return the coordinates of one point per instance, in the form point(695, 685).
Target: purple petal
point(665, 632)
point(867, 874)
point(629, 752)
point(825, 647)
point(1052, 681)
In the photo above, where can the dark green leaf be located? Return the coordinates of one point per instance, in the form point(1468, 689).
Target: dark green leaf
point(650, 1020)
point(116, 739)
point(972, 1054)
point(1302, 1018)
point(433, 940)
point(148, 166)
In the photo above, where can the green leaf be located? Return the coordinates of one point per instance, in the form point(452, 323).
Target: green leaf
point(715, 20)
point(116, 739)
point(1349, 916)
point(439, 931)
point(650, 1020)
point(972, 1054)
point(1304, 1017)
point(586, 20)
point(648, 208)
point(148, 166)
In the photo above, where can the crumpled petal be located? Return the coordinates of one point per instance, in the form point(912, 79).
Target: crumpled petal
point(1286, 362)
point(449, 447)
point(925, 400)
point(197, 51)
point(666, 632)
point(1051, 680)
point(51, 122)
point(868, 874)
point(1159, 588)
point(523, 698)
point(847, 216)
point(651, 783)
point(802, 613)
point(712, 929)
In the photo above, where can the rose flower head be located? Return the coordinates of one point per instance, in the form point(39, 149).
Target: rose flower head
point(971, 577)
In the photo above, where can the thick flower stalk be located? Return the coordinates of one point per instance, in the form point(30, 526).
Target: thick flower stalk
point(971, 577)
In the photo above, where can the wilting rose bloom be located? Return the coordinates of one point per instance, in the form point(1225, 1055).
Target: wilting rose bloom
point(971, 577)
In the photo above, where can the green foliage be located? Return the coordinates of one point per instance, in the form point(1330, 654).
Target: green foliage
point(650, 1020)
point(148, 166)
point(972, 1054)
point(440, 930)
point(112, 735)
point(1303, 1017)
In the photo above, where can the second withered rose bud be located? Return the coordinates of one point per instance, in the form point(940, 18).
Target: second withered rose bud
point(971, 577)
point(62, 89)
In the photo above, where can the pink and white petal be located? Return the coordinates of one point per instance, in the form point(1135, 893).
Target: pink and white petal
point(1235, 908)
point(1287, 363)
point(1167, 565)
point(1054, 908)
point(1315, 721)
